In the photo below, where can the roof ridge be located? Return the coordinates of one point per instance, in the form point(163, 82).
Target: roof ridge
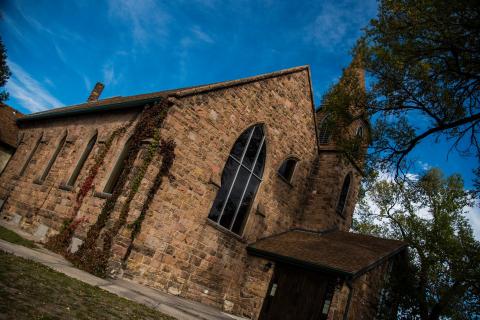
point(119, 102)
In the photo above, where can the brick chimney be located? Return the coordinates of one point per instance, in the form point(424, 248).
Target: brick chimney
point(96, 92)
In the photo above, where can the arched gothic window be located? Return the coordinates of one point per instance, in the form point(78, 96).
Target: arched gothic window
point(342, 199)
point(241, 177)
point(324, 130)
point(30, 156)
point(54, 156)
point(83, 159)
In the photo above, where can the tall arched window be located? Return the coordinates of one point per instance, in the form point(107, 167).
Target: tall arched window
point(82, 160)
point(118, 168)
point(54, 157)
point(342, 199)
point(30, 156)
point(324, 130)
point(240, 180)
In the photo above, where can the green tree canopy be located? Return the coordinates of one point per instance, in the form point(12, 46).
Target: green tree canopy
point(422, 61)
point(442, 276)
point(4, 71)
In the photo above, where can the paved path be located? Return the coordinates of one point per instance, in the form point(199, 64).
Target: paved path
point(177, 307)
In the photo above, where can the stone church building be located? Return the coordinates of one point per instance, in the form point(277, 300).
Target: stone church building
point(230, 194)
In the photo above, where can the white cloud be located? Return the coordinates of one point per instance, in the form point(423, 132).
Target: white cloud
point(201, 35)
point(473, 215)
point(31, 94)
point(339, 23)
point(87, 82)
point(145, 19)
point(109, 76)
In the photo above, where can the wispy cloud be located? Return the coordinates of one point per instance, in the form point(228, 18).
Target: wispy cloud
point(201, 35)
point(145, 19)
point(108, 71)
point(28, 91)
point(339, 23)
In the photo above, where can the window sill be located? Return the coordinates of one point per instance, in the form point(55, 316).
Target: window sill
point(38, 181)
point(226, 231)
point(65, 187)
point(102, 195)
point(285, 180)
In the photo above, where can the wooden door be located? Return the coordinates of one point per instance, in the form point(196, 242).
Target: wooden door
point(297, 294)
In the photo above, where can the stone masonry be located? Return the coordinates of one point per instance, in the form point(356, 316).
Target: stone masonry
point(179, 250)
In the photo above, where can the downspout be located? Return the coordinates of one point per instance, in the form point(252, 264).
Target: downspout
point(350, 294)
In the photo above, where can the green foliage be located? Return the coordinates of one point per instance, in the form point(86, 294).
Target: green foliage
point(422, 61)
point(90, 256)
point(30, 290)
point(4, 71)
point(441, 278)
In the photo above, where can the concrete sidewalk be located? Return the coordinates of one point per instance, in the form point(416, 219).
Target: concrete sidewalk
point(174, 306)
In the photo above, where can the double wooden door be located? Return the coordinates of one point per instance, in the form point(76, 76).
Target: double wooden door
point(297, 294)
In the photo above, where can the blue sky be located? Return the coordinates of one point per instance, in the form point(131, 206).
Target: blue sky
point(58, 49)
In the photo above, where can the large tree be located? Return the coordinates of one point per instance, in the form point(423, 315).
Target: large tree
point(422, 61)
point(4, 71)
point(441, 278)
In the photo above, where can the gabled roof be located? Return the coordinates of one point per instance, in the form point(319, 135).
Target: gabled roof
point(343, 253)
point(8, 126)
point(140, 100)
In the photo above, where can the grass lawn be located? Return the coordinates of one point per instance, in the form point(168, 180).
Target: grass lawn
point(12, 237)
point(29, 290)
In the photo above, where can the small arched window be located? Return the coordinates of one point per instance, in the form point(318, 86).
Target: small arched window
point(287, 169)
point(118, 168)
point(30, 156)
point(342, 199)
point(324, 130)
point(360, 132)
point(241, 177)
point(83, 158)
point(54, 157)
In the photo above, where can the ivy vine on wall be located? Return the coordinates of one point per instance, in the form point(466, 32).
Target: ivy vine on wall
point(94, 253)
point(60, 242)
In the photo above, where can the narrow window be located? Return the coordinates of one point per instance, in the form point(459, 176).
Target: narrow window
point(359, 132)
point(30, 156)
point(82, 160)
point(118, 168)
point(324, 131)
point(343, 195)
point(241, 177)
point(287, 169)
point(54, 157)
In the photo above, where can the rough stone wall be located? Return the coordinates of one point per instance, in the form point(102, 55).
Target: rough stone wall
point(42, 208)
point(5, 154)
point(179, 250)
point(324, 185)
point(365, 298)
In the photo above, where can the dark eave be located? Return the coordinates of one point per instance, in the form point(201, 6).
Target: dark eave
point(298, 263)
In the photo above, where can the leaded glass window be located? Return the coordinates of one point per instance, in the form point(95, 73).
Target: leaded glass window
point(241, 177)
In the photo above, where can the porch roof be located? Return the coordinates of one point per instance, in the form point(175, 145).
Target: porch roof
point(344, 253)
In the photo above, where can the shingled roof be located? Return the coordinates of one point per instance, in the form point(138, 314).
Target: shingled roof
point(344, 253)
point(121, 102)
point(8, 126)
